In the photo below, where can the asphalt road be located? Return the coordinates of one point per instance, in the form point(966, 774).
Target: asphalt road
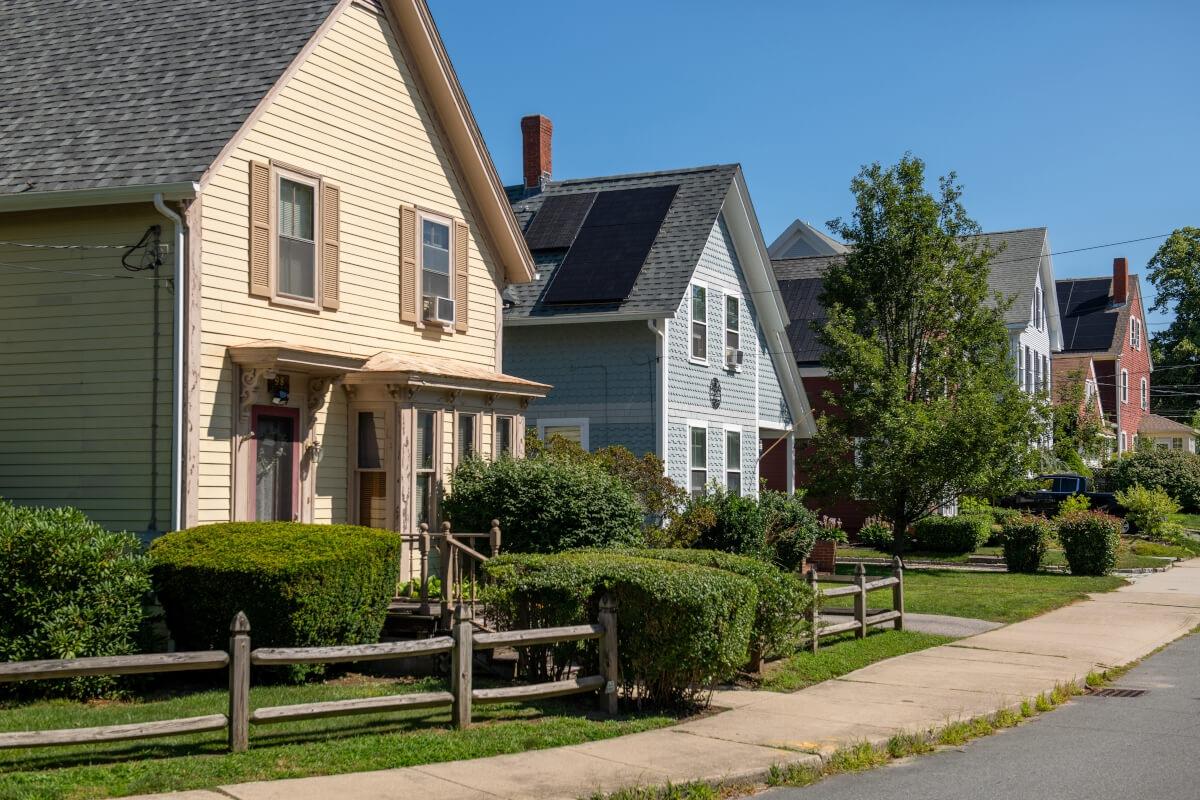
point(1093, 748)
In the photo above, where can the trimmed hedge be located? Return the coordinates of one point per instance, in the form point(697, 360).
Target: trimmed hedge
point(780, 618)
point(1026, 540)
point(791, 528)
point(300, 585)
point(1090, 540)
point(68, 589)
point(682, 628)
point(1175, 471)
point(959, 535)
point(545, 505)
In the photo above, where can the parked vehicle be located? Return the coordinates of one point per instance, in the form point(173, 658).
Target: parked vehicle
point(1056, 488)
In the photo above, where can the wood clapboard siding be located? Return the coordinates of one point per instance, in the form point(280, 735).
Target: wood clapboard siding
point(352, 114)
point(78, 366)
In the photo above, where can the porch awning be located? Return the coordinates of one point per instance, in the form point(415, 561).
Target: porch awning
point(283, 356)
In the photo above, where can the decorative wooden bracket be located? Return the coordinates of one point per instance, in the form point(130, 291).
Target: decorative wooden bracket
point(250, 378)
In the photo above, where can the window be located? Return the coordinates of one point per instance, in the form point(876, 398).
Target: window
point(370, 473)
point(697, 460)
point(733, 462)
point(1176, 443)
point(699, 348)
point(435, 266)
point(1021, 367)
point(466, 444)
point(297, 261)
point(1046, 373)
point(573, 430)
point(1124, 386)
point(732, 326)
point(1124, 442)
point(1144, 395)
point(276, 458)
point(1028, 369)
point(504, 436)
point(1135, 333)
point(426, 450)
point(1037, 372)
point(1039, 318)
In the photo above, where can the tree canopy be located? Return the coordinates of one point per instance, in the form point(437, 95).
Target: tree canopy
point(1174, 271)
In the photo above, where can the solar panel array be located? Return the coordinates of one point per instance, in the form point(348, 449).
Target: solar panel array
point(1088, 321)
point(558, 221)
point(610, 246)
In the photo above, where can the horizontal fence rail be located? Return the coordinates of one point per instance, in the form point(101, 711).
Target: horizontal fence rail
point(862, 617)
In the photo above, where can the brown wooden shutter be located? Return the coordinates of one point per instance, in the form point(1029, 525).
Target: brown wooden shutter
point(260, 229)
point(331, 238)
point(462, 292)
point(410, 303)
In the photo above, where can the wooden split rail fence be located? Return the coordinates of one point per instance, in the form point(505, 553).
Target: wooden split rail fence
point(461, 646)
point(863, 617)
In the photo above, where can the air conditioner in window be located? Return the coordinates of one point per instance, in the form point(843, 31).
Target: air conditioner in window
point(438, 309)
point(733, 357)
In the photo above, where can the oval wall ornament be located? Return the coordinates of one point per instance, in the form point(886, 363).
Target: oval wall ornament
point(714, 393)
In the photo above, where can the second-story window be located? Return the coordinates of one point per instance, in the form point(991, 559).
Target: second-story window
point(1135, 333)
point(1038, 317)
point(1145, 394)
point(297, 261)
point(699, 346)
point(733, 339)
point(436, 289)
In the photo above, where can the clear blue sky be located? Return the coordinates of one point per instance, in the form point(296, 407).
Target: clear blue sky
point(1080, 116)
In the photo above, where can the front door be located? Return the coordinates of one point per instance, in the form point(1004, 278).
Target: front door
point(276, 456)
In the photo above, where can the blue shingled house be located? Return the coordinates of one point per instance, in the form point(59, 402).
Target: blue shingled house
point(656, 317)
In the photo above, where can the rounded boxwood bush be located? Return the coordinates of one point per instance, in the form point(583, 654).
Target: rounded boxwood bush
point(1090, 540)
point(300, 585)
point(791, 528)
point(957, 535)
point(1026, 540)
point(1174, 471)
point(739, 525)
point(780, 618)
point(68, 589)
point(682, 628)
point(545, 505)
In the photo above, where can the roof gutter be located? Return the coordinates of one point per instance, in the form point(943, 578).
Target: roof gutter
point(177, 349)
point(103, 196)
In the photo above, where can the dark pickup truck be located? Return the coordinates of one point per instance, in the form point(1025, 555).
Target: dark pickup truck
point(1056, 488)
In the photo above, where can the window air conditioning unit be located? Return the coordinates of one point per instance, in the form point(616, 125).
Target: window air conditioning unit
point(439, 309)
point(733, 357)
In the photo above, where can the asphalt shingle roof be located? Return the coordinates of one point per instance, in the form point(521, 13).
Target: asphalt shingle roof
point(664, 276)
point(1154, 423)
point(114, 93)
point(1014, 268)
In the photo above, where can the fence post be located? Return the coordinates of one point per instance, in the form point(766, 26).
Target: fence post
point(860, 601)
point(609, 665)
point(494, 537)
point(462, 659)
point(423, 546)
point(814, 619)
point(898, 591)
point(447, 553)
point(239, 683)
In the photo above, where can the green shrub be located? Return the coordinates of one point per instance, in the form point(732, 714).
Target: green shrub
point(1090, 540)
point(791, 528)
point(739, 525)
point(681, 627)
point(68, 589)
point(1149, 510)
point(783, 599)
point(1176, 471)
point(1076, 502)
point(1025, 543)
point(957, 535)
point(545, 504)
point(300, 585)
point(876, 532)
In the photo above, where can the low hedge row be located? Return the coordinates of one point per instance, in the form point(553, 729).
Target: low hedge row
point(1026, 540)
point(681, 627)
point(780, 617)
point(1090, 540)
point(962, 534)
point(300, 585)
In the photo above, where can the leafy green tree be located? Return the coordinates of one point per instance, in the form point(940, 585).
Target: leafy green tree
point(1174, 272)
point(1078, 433)
point(928, 405)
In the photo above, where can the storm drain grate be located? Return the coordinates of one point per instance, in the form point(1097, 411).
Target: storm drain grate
point(1117, 692)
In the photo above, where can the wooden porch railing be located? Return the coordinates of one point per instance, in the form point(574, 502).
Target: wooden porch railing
point(459, 560)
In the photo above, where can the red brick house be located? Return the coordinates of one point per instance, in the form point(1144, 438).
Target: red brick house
point(1104, 329)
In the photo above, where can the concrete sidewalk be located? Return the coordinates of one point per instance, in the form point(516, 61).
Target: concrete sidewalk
point(971, 677)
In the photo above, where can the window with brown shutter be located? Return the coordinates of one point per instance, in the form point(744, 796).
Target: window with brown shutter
point(410, 303)
point(260, 229)
point(461, 286)
point(330, 246)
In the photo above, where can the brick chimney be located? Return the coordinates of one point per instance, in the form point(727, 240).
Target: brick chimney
point(536, 132)
point(1120, 284)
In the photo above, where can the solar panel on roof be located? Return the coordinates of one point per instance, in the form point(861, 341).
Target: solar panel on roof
point(557, 222)
point(611, 246)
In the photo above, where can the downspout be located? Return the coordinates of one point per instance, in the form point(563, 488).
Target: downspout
point(177, 347)
point(661, 347)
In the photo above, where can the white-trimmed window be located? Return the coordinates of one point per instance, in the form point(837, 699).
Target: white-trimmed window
point(466, 437)
point(1124, 442)
point(1028, 369)
point(1135, 333)
point(1037, 372)
point(1021, 367)
point(1144, 394)
point(697, 459)
point(733, 327)
point(573, 429)
point(733, 461)
point(699, 336)
point(436, 267)
point(1176, 442)
point(504, 436)
point(1124, 386)
point(297, 212)
point(425, 466)
point(1039, 319)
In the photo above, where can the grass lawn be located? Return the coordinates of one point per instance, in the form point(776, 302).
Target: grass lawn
point(1189, 521)
point(997, 596)
point(842, 654)
point(1133, 554)
point(288, 750)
